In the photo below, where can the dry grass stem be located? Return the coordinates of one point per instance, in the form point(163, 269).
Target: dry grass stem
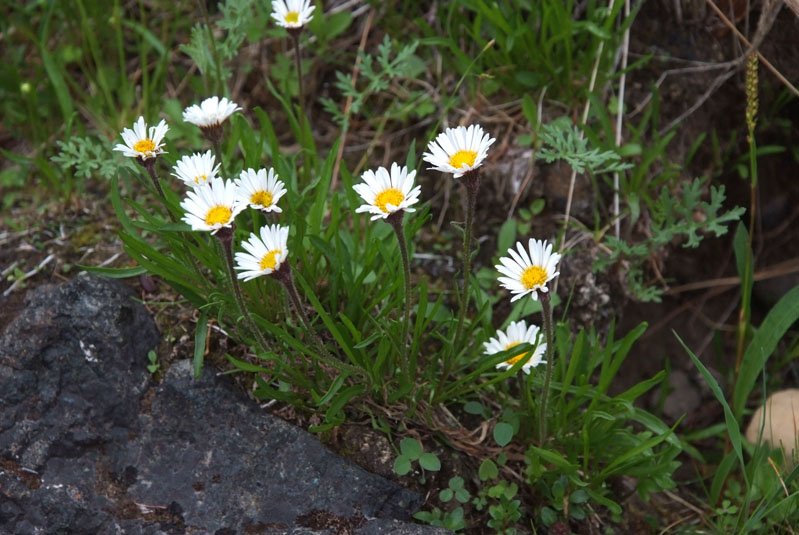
point(355, 70)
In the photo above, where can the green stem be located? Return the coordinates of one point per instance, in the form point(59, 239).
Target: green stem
point(746, 282)
point(395, 220)
point(212, 45)
point(225, 237)
point(524, 392)
point(550, 356)
point(295, 35)
point(218, 152)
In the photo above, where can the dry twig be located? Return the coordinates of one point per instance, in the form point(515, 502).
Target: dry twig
point(356, 69)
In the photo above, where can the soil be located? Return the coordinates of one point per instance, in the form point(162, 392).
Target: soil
point(83, 231)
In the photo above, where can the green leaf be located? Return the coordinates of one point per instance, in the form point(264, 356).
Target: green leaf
point(334, 388)
point(57, 80)
point(429, 461)
point(614, 507)
point(503, 433)
point(115, 273)
point(506, 236)
point(537, 206)
point(199, 343)
point(337, 23)
point(548, 516)
point(733, 429)
point(488, 470)
point(147, 35)
point(630, 149)
point(402, 465)
point(473, 407)
point(778, 320)
point(554, 458)
point(246, 366)
point(578, 496)
point(334, 414)
point(723, 470)
point(446, 495)
point(411, 448)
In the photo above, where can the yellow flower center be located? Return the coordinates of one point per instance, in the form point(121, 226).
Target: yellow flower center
point(200, 178)
point(463, 157)
point(292, 17)
point(218, 214)
point(144, 146)
point(390, 196)
point(264, 198)
point(513, 360)
point(268, 261)
point(534, 276)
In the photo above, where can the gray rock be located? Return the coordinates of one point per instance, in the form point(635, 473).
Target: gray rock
point(90, 445)
point(683, 398)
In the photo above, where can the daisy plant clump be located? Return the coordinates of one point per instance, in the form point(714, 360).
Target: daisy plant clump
point(145, 144)
point(197, 169)
point(260, 189)
point(294, 15)
point(388, 195)
point(213, 207)
point(209, 116)
point(527, 271)
point(461, 151)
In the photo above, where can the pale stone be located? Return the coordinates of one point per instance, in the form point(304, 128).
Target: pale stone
point(781, 426)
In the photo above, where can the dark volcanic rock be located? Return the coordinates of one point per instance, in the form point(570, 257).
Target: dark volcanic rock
point(71, 370)
point(89, 445)
point(266, 469)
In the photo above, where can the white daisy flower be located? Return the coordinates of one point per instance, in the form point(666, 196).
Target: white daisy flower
point(529, 271)
point(386, 193)
point(211, 112)
point(265, 254)
point(260, 189)
point(458, 150)
point(292, 13)
point(212, 206)
point(197, 169)
point(518, 332)
point(141, 142)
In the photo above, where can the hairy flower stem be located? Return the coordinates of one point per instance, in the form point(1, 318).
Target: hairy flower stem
point(471, 181)
point(218, 152)
point(225, 237)
point(212, 44)
point(149, 166)
point(283, 275)
point(524, 391)
point(550, 356)
point(395, 220)
point(295, 35)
